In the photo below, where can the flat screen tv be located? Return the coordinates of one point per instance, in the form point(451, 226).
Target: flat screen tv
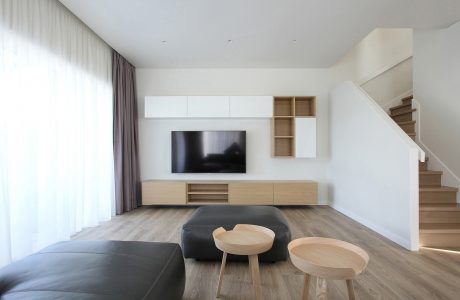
point(208, 151)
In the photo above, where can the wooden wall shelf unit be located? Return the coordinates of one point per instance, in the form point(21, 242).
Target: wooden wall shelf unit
point(163, 192)
point(293, 137)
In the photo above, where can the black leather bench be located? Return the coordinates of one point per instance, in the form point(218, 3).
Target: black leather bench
point(97, 270)
point(197, 241)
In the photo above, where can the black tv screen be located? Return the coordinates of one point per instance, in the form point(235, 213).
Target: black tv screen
point(208, 152)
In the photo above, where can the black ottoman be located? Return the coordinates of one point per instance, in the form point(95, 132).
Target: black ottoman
point(97, 270)
point(197, 241)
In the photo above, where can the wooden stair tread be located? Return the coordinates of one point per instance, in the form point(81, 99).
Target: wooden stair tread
point(400, 106)
point(408, 98)
point(440, 228)
point(429, 172)
point(437, 189)
point(405, 122)
point(403, 112)
point(411, 133)
point(440, 207)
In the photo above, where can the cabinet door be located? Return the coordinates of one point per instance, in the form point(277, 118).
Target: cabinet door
point(297, 193)
point(163, 193)
point(208, 107)
point(305, 137)
point(166, 106)
point(251, 106)
point(251, 193)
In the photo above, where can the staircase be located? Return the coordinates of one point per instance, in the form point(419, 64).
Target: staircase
point(439, 212)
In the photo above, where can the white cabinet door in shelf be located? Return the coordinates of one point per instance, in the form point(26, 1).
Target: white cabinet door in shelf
point(208, 107)
point(166, 106)
point(251, 106)
point(305, 137)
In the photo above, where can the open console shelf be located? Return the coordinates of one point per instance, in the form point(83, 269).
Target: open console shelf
point(207, 193)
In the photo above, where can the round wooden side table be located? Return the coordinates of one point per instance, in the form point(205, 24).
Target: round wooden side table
point(244, 239)
point(327, 259)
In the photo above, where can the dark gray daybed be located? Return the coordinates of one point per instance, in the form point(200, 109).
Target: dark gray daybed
point(97, 270)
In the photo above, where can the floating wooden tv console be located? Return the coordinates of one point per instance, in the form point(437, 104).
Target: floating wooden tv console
point(164, 192)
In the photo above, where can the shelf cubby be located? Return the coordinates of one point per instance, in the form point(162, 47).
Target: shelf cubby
point(283, 146)
point(204, 198)
point(207, 187)
point(305, 106)
point(283, 107)
point(207, 193)
point(284, 127)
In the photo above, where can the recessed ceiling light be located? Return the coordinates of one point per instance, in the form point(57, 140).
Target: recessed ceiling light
point(294, 41)
point(163, 42)
point(229, 41)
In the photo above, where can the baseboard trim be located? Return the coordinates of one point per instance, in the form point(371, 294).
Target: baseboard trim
point(377, 228)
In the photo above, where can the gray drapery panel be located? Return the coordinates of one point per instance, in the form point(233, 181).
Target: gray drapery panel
point(125, 136)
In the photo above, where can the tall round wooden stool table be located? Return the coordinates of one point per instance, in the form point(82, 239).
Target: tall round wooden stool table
point(327, 259)
point(244, 239)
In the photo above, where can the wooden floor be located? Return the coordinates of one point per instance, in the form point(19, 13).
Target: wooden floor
point(393, 272)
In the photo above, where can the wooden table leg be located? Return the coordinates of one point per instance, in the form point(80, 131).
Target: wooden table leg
point(221, 274)
point(306, 286)
point(321, 289)
point(351, 290)
point(254, 265)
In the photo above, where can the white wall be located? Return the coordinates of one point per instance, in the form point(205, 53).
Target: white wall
point(154, 135)
point(373, 167)
point(388, 88)
point(437, 89)
point(382, 49)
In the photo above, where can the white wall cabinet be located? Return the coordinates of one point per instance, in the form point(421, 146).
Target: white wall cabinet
point(208, 107)
point(166, 107)
point(305, 137)
point(251, 106)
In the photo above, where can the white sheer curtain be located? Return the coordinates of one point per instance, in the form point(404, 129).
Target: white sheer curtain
point(56, 155)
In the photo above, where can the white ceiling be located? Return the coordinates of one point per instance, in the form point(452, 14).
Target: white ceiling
point(262, 31)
